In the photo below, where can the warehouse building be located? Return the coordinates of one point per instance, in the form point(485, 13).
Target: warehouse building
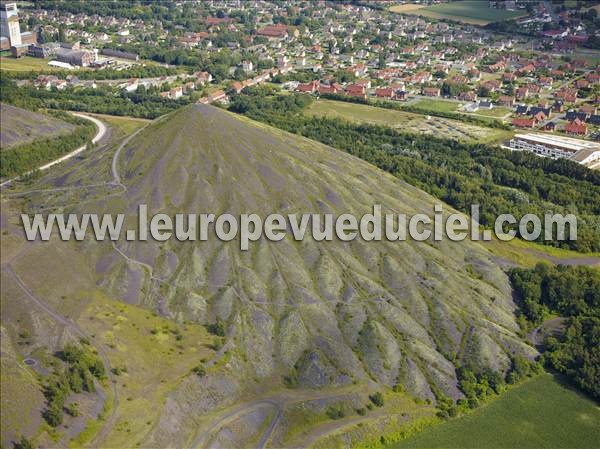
point(581, 151)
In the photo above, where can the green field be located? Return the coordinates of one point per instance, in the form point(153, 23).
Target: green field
point(468, 11)
point(528, 254)
point(407, 121)
point(25, 64)
point(436, 105)
point(540, 413)
point(497, 112)
point(125, 124)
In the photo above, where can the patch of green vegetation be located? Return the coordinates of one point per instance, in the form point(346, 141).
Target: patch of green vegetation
point(528, 254)
point(127, 125)
point(540, 413)
point(395, 118)
point(135, 338)
point(78, 375)
point(23, 158)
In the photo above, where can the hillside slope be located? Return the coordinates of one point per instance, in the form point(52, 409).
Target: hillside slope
point(307, 325)
point(20, 126)
point(318, 314)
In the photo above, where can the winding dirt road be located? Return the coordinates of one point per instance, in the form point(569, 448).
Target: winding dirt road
point(99, 135)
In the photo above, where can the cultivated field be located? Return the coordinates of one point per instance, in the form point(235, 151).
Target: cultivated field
point(468, 11)
point(20, 126)
point(405, 121)
point(538, 414)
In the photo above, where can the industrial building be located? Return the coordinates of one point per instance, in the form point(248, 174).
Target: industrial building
point(581, 151)
point(10, 30)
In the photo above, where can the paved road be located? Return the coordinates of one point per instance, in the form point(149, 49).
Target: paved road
point(99, 135)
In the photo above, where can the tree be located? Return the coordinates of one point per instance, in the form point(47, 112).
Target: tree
point(61, 33)
point(377, 399)
point(53, 415)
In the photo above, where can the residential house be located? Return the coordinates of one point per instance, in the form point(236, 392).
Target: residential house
point(576, 127)
point(431, 91)
point(524, 122)
point(506, 100)
point(522, 93)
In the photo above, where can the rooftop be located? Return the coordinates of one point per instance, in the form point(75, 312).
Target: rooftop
point(565, 142)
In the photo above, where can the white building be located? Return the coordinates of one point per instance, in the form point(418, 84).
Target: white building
point(581, 151)
point(247, 66)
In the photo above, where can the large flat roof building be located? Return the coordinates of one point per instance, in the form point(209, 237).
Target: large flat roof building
point(581, 151)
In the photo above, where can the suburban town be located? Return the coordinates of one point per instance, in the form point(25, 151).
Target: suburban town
point(543, 80)
point(300, 224)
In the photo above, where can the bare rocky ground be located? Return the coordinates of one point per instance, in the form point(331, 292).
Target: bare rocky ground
point(305, 320)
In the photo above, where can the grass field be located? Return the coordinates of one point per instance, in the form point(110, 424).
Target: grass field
point(25, 64)
point(406, 8)
point(539, 414)
point(467, 11)
point(436, 105)
point(495, 112)
point(126, 125)
point(406, 121)
point(527, 254)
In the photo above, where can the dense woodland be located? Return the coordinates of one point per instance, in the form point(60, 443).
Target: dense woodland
point(573, 293)
point(460, 174)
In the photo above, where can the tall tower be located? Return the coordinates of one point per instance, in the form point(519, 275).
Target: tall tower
point(9, 23)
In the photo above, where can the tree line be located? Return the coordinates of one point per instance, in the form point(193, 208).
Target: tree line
point(461, 174)
point(143, 104)
point(27, 157)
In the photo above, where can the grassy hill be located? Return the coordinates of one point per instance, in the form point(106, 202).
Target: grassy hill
point(541, 413)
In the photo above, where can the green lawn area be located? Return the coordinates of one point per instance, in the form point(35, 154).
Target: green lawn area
point(539, 414)
point(25, 64)
point(437, 105)
point(495, 112)
point(468, 11)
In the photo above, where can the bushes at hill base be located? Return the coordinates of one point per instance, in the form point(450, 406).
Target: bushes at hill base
point(24, 158)
point(79, 369)
point(573, 293)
